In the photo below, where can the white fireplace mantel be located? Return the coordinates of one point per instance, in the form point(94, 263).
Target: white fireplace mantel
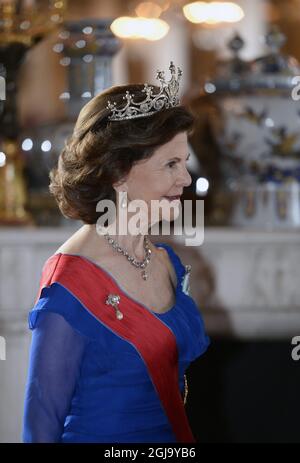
point(254, 277)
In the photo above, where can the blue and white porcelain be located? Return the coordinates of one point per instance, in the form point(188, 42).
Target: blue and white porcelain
point(258, 132)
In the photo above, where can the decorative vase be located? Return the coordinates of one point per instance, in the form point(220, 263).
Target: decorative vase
point(258, 132)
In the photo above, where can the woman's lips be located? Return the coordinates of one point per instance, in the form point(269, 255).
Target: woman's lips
point(172, 198)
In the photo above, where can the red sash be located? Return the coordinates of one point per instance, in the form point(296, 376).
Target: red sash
point(153, 340)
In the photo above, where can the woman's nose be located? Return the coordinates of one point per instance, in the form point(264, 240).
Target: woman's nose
point(185, 178)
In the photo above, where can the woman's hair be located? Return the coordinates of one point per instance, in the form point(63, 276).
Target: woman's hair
point(100, 152)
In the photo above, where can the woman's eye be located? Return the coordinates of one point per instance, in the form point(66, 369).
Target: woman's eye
point(173, 163)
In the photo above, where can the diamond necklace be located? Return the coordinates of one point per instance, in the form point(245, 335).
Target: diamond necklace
point(139, 264)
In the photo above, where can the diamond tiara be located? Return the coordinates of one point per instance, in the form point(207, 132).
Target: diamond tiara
point(166, 97)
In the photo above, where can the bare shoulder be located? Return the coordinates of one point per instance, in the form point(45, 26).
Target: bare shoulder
point(70, 246)
point(78, 243)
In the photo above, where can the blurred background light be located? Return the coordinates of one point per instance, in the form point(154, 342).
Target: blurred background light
point(213, 12)
point(27, 144)
point(202, 186)
point(139, 28)
point(2, 159)
point(46, 146)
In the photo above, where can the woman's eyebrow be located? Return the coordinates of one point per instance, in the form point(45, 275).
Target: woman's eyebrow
point(179, 159)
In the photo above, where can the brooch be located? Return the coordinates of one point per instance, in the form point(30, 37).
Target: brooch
point(186, 280)
point(114, 299)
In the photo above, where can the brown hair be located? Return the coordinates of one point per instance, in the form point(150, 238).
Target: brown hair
point(100, 152)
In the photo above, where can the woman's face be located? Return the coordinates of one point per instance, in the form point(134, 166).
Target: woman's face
point(161, 177)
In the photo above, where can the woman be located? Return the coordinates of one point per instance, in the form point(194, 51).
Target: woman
point(113, 327)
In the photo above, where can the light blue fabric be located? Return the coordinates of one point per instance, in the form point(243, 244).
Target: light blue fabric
point(86, 384)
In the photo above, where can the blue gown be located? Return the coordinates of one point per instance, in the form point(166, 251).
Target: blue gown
point(86, 384)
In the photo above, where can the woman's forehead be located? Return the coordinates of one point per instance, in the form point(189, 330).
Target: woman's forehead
point(175, 147)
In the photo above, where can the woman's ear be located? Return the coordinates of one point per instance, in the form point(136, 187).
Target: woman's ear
point(120, 186)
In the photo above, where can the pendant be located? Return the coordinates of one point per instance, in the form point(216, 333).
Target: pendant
point(114, 300)
point(119, 314)
point(144, 275)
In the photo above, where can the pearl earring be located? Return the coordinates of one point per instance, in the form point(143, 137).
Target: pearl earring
point(124, 201)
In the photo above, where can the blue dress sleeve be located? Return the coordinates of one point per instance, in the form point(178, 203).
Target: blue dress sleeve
point(55, 359)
